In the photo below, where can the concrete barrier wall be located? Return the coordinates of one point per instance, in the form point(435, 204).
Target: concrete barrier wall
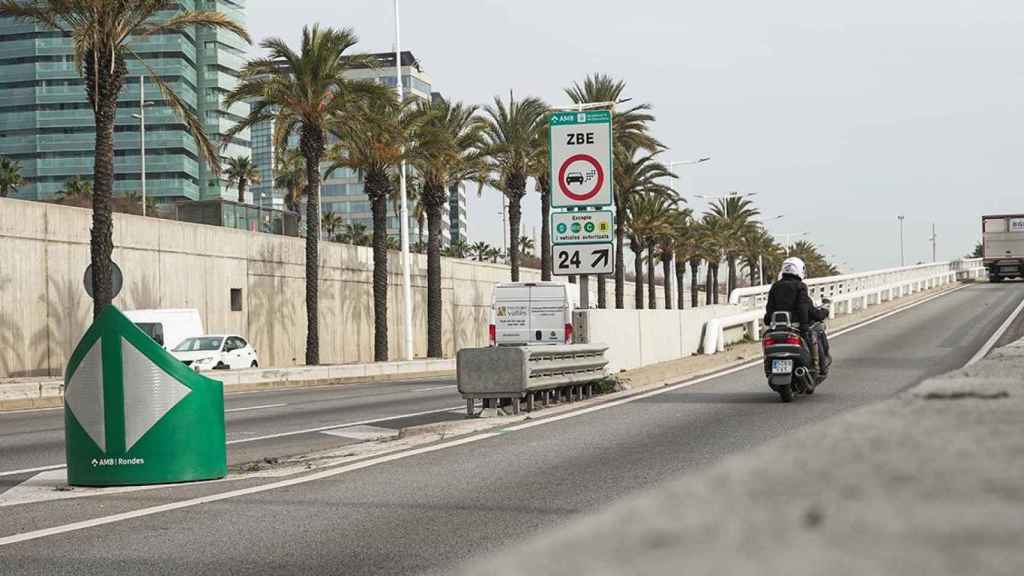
point(44, 310)
point(639, 338)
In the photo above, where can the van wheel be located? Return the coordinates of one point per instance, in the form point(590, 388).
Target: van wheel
point(254, 364)
point(220, 366)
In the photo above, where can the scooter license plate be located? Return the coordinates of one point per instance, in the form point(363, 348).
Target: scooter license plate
point(782, 366)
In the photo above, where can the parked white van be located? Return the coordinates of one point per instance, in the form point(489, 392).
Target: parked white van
point(169, 326)
point(525, 313)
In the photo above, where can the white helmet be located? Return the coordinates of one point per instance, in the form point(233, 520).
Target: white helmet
point(794, 266)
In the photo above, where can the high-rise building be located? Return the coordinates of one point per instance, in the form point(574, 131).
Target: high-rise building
point(47, 125)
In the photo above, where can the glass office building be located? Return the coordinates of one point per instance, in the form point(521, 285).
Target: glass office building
point(47, 125)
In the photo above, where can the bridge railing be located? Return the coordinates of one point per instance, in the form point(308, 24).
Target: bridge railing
point(835, 287)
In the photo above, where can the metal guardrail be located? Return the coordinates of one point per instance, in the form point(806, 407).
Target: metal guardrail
point(835, 287)
point(848, 293)
point(508, 375)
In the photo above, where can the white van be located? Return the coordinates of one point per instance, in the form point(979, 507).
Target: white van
point(168, 327)
point(531, 313)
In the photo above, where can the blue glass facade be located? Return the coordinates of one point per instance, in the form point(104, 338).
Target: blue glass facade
point(47, 124)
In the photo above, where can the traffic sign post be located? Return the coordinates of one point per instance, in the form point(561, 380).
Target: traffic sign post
point(581, 159)
point(134, 414)
point(583, 259)
point(582, 227)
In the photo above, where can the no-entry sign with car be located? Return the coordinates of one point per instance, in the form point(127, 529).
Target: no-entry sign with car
point(581, 159)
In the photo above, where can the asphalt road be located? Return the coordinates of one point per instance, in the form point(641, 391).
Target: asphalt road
point(259, 424)
point(435, 510)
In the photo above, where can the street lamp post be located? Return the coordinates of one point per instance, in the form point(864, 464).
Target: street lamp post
point(902, 261)
point(141, 117)
point(672, 273)
point(404, 210)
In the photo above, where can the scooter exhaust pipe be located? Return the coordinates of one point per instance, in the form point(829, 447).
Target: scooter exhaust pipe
point(800, 372)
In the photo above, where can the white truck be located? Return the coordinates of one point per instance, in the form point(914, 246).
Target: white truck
point(531, 313)
point(1002, 241)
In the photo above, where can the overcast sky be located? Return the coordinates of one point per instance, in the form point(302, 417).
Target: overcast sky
point(839, 115)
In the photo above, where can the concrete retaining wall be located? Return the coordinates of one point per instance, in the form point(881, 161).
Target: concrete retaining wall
point(638, 338)
point(44, 249)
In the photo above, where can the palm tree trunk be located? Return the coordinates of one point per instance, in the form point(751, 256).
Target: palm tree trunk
point(377, 188)
point(708, 284)
point(602, 291)
point(311, 141)
point(545, 229)
point(731, 261)
point(242, 183)
point(680, 277)
point(620, 263)
point(652, 289)
point(103, 84)
point(694, 281)
point(434, 197)
point(638, 271)
point(715, 291)
point(666, 271)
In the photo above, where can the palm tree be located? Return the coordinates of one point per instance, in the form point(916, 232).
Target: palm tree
point(10, 176)
point(355, 234)
point(307, 93)
point(446, 153)
point(649, 217)
point(76, 190)
point(495, 254)
point(526, 245)
point(101, 31)
point(290, 176)
point(635, 176)
point(713, 237)
point(240, 173)
point(629, 134)
point(480, 250)
point(372, 140)
point(759, 247)
point(510, 134)
point(667, 244)
point(458, 248)
point(540, 168)
point(736, 214)
point(330, 222)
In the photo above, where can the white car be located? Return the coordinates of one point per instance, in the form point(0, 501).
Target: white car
point(216, 352)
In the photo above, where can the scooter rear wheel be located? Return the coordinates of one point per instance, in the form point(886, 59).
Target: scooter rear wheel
point(786, 392)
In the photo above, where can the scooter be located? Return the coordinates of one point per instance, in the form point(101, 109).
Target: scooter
point(787, 358)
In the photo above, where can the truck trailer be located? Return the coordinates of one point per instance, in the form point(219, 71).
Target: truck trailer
point(1002, 239)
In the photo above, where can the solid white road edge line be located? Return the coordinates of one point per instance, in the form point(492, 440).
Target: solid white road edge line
point(82, 525)
point(995, 337)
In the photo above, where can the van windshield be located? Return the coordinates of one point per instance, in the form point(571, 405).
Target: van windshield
point(203, 344)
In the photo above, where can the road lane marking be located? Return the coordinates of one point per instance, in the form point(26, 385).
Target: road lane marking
point(31, 470)
point(329, 473)
point(255, 408)
point(995, 337)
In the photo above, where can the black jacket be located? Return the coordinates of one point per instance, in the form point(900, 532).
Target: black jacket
point(790, 294)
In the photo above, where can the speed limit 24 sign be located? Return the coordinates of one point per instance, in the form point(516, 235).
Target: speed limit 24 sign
point(581, 159)
point(583, 259)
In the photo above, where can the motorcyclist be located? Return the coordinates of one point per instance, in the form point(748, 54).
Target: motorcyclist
point(789, 294)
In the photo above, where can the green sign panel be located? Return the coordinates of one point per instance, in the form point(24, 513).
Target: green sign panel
point(134, 414)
